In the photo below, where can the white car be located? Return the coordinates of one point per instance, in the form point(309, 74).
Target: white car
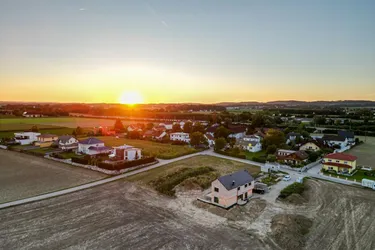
point(287, 178)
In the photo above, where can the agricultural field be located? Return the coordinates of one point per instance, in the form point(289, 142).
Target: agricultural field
point(124, 215)
point(208, 168)
point(365, 152)
point(23, 176)
point(160, 150)
point(51, 122)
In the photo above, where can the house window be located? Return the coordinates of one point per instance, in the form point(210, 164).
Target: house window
point(245, 185)
point(238, 188)
point(337, 161)
point(216, 189)
point(345, 162)
point(216, 199)
point(329, 160)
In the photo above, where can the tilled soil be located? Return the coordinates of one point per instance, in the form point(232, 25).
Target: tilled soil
point(117, 216)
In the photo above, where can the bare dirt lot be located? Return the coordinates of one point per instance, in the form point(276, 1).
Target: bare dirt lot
point(23, 176)
point(123, 215)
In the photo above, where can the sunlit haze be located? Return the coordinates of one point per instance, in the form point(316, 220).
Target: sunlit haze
point(186, 51)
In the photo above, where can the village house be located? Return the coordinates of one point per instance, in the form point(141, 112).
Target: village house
point(335, 140)
point(235, 188)
point(92, 146)
point(340, 163)
point(237, 132)
point(349, 135)
point(26, 138)
point(167, 126)
point(309, 146)
point(291, 156)
point(249, 145)
point(180, 136)
point(134, 127)
point(31, 115)
point(211, 130)
point(292, 137)
point(45, 140)
point(126, 153)
point(210, 139)
point(67, 142)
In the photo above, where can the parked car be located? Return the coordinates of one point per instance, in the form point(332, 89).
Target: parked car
point(287, 178)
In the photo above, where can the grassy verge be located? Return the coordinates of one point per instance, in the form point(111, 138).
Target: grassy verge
point(358, 176)
point(166, 184)
point(295, 188)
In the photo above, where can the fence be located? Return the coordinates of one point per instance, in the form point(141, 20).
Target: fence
point(95, 168)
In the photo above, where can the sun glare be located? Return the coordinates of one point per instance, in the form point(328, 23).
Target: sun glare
point(131, 98)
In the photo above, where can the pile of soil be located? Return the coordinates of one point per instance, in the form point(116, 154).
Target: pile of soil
point(295, 199)
point(290, 230)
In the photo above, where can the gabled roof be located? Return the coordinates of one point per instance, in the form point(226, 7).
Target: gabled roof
point(237, 129)
point(212, 129)
point(341, 156)
point(64, 138)
point(90, 141)
point(210, 137)
point(346, 134)
point(293, 134)
point(333, 138)
point(235, 180)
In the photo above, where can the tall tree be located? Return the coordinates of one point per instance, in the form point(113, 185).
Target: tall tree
point(119, 126)
point(198, 127)
point(220, 143)
point(149, 126)
point(188, 127)
point(197, 138)
point(34, 128)
point(222, 132)
point(274, 137)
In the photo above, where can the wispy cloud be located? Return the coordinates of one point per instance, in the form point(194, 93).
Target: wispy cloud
point(156, 14)
point(82, 9)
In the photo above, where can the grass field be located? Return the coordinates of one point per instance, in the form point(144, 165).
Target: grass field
point(250, 155)
point(222, 166)
point(54, 130)
point(160, 150)
point(48, 122)
point(365, 152)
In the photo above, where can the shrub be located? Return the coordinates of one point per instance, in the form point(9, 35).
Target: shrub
point(57, 156)
point(295, 188)
point(125, 164)
point(179, 143)
point(228, 153)
point(84, 161)
point(261, 159)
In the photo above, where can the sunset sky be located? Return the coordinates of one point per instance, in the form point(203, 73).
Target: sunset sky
point(186, 51)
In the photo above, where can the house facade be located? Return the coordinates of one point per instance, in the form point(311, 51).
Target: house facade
point(67, 142)
point(92, 146)
point(237, 132)
point(126, 153)
point(251, 146)
point(340, 163)
point(45, 140)
point(335, 140)
point(291, 156)
point(309, 146)
point(180, 136)
point(210, 139)
point(25, 138)
point(349, 135)
point(232, 189)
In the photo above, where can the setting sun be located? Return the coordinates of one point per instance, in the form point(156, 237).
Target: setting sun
point(131, 98)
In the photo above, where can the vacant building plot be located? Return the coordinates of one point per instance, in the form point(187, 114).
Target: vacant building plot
point(160, 150)
point(23, 176)
point(192, 173)
point(123, 215)
point(365, 152)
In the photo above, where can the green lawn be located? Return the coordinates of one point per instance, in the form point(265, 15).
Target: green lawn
point(42, 150)
point(357, 177)
point(365, 152)
point(250, 155)
point(160, 150)
point(221, 166)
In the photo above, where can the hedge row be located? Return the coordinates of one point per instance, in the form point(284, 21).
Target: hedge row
point(126, 164)
point(295, 188)
point(40, 154)
point(231, 154)
point(79, 160)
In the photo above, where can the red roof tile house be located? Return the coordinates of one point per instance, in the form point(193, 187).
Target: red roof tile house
point(340, 163)
point(291, 156)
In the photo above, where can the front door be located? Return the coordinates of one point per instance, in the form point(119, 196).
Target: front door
point(240, 197)
point(246, 196)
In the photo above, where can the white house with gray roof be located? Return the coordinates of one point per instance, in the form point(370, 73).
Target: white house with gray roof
point(67, 142)
point(92, 146)
point(232, 189)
